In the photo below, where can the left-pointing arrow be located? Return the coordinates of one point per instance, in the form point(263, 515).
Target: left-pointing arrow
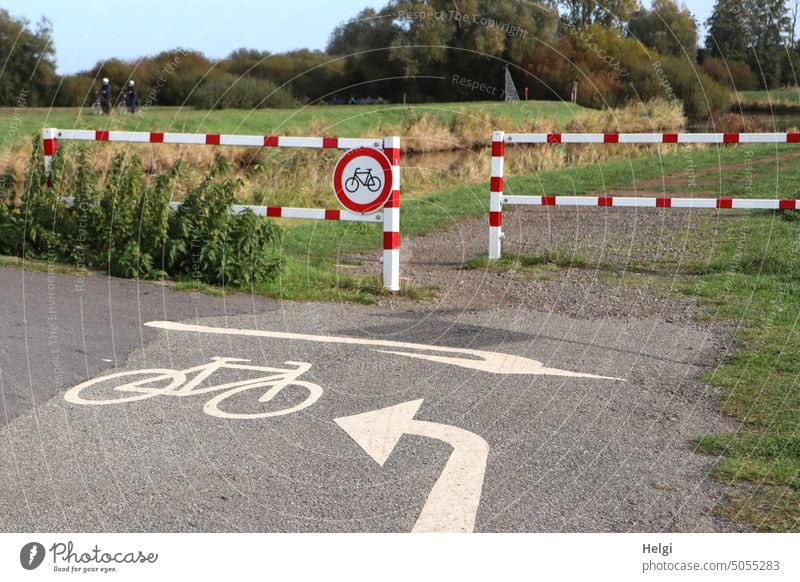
point(453, 502)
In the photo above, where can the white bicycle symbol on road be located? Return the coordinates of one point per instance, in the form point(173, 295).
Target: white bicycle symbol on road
point(167, 382)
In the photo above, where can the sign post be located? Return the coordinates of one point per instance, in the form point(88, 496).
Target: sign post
point(366, 180)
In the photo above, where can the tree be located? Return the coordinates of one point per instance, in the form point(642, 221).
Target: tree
point(729, 30)
point(668, 28)
point(365, 42)
point(754, 31)
point(768, 42)
point(583, 13)
point(27, 61)
point(468, 38)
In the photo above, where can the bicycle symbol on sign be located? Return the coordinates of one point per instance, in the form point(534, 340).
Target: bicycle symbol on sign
point(363, 178)
point(167, 382)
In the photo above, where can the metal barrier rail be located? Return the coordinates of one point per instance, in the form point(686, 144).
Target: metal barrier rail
point(389, 215)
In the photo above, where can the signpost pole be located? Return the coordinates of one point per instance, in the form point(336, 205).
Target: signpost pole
point(49, 145)
point(496, 194)
point(391, 219)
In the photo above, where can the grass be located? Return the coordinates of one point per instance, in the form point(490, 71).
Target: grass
point(789, 96)
point(341, 120)
point(37, 266)
point(767, 509)
point(318, 278)
point(199, 287)
point(522, 261)
point(537, 266)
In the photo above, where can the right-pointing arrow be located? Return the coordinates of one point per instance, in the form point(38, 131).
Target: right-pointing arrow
point(453, 502)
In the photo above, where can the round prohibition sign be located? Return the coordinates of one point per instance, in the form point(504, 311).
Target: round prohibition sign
point(362, 180)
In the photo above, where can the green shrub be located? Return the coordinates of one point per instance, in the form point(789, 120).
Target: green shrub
point(733, 74)
point(228, 91)
point(10, 228)
point(125, 225)
point(213, 246)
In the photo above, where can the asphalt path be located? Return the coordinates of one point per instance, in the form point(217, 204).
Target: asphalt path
point(396, 419)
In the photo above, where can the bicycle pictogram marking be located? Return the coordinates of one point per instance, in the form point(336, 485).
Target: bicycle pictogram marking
point(363, 178)
point(107, 390)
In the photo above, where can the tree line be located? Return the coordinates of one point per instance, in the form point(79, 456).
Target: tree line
point(617, 50)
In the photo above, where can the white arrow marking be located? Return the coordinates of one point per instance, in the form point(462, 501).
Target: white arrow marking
point(493, 362)
point(453, 501)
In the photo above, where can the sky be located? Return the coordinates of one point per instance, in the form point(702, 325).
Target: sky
point(87, 31)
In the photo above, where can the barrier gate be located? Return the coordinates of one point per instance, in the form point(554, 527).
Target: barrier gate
point(389, 214)
point(500, 139)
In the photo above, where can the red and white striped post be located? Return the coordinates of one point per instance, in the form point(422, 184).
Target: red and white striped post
point(49, 145)
point(496, 195)
point(391, 219)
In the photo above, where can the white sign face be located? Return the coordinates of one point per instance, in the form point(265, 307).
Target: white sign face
point(362, 180)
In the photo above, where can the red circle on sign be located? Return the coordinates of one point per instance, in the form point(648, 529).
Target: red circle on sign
point(343, 185)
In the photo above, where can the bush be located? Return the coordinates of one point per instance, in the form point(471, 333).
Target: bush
point(733, 74)
point(212, 245)
point(126, 226)
point(228, 91)
point(10, 228)
point(702, 97)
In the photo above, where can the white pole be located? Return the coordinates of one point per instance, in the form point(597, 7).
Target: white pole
point(495, 204)
point(391, 220)
point(49, 145)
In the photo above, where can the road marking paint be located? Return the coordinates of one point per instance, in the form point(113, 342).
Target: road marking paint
point(110, 389)
point(492, 362)
point(453, 502)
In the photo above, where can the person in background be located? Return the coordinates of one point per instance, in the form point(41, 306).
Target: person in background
point(573, 97)
point(130, 96)
point(105, 95)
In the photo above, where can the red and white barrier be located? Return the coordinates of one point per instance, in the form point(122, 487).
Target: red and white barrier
point(649, 138)
point(389, 215)
point(643, 202)
point(500, 139)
